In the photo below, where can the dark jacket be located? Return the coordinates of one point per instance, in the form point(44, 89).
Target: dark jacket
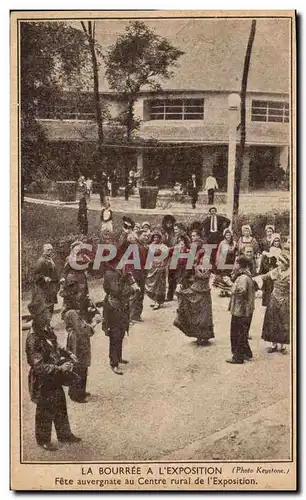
point(243, 295)
point(45, 358)
point(118, 289)
point(222, 223)
point(78, 339)
point(45, 267)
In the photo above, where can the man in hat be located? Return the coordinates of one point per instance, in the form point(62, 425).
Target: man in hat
point(82, 215)
point(78, 340)
point(46, 281)
point(193, 190)
point(118, 285)
point(241, 307)
point(51, 367)
point(74, 280)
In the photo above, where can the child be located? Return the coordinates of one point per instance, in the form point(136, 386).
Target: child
point(106, 219)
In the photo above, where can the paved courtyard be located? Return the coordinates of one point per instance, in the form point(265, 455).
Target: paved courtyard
point(176, 400)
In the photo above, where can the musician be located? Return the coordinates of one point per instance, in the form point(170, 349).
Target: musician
point(78, 340)
point(51, 367)
point(46, 280)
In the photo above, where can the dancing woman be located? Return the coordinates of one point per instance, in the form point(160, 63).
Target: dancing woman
point(194, 313)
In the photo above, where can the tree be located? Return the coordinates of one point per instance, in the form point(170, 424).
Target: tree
point(240, 155)
point(52, 54)
point(139, 58)
point(89, 31)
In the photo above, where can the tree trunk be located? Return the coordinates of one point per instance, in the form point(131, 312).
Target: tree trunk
point(97, 98)
point(130, 119)
point(240, 155)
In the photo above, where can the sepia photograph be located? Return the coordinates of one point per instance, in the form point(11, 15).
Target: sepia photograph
point(153, 213)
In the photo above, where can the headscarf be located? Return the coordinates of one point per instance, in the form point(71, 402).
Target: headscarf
point(270, 226)
point(246, 226)
point(275, 236)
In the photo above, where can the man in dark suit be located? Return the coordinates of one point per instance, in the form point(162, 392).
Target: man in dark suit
point(51, 367)
point(193, 190)
point(213, 227)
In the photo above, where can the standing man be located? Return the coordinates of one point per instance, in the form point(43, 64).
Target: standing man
point(118, 286)
point(213, 227)
point(51, 367)
point(82, 215)
point(241, 307)
point(46, 280)
point(78, 340)
point(210, 186)
point(102, 187)
point(193, 190)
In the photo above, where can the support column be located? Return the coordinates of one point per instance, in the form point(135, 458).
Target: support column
point(139, 167)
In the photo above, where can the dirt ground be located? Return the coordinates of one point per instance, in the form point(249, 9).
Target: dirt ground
point(176, 400)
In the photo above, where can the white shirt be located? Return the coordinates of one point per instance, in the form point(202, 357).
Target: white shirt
point(213, 224)
point(211, 183)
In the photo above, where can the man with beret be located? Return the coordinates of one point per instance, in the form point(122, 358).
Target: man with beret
point(79, 329)
point(51, 367)
point(118, 285)
point(241, 307)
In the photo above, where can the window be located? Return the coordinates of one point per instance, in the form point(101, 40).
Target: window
point(176, 109)
point(270, 111)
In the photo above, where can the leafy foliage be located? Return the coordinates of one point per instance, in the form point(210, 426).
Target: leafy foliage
point(52, 55)
point(139, 58)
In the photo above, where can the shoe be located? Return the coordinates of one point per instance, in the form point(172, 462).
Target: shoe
point(70, 439)
point(79, 400)
point(272, 349)
point(156, 307)
point(203, 342)
point(87, 394)
point(48, 446)
point(283, 350)
point(123, 361)
point(117, 370)
point(233, 361)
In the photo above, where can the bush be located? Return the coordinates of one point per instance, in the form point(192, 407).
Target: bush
point(58, 226)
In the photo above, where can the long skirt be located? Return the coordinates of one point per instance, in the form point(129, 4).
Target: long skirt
point(155, 286)
point(276, 322)
point(194, 314)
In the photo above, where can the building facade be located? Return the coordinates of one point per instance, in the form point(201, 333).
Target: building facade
point(189, 117)
point(192, 132)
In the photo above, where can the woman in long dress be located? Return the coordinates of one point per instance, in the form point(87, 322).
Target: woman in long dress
point(194, 313)
point(277, 317)
point(155, 286)
point(226, 254)
point(269, 261)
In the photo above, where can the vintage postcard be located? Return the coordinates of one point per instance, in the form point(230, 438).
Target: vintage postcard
point(153, 234)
